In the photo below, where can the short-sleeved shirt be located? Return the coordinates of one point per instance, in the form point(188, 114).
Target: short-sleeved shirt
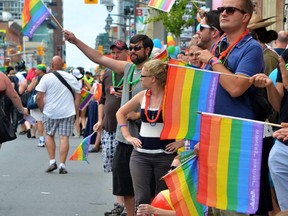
point(246, 58)
point(130, 91)
point(111, 103)
point(58, 100)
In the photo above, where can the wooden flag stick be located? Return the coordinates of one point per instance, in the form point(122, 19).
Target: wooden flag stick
point(195, 5)
point(250, 120)
point(57, 21)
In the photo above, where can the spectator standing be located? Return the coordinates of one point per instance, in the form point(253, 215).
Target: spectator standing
point(236, 53)
point(151, 157)
point(109, 103)
point(281, 43)
point(58, 111)
point(140, 49)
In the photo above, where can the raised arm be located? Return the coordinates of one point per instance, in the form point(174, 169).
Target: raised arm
point(94, 55)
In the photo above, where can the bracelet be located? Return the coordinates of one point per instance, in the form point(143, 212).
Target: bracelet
point(21, 110)
point(122, 125)
point(213, 61)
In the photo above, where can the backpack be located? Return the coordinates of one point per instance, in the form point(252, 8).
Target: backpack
point(261, 106)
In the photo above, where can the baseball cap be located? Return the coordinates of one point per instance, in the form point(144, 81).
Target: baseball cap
point(121, 45)
point(41, 67)
point(76, 73)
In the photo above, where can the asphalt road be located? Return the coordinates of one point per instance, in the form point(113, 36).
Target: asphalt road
point(27, 190)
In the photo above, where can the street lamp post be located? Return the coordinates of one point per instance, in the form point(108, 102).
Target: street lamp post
point(109, 22)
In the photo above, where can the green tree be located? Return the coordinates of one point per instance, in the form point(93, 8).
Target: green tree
point(173, 21)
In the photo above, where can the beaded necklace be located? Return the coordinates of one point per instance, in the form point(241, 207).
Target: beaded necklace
point(130, 76)
point(147, 106)
point(113, 80)
point(229, 49)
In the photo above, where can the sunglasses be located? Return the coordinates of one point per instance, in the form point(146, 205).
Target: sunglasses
point(203, 26)
point(230, 10)
point(136, 48)
point(145, 76)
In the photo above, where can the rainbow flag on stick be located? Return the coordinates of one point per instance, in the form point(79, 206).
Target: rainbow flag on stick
point(85, 99)
point(33, 14)
point(177, 62)
point(187, 91)
point(163, 56)
point(81, 153)
point(164, 5)
point(182, 184)
point(230, 163)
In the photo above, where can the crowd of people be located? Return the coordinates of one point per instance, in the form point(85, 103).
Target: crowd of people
point(128, 115)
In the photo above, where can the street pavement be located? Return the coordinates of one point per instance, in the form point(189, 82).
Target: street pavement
point(27, 190)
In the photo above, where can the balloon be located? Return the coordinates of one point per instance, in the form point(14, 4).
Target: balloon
point(171, 49)
point(177, 50)
point(169, 38)
point(198, 27)
point(171, 43)
point(157, 43)
point(163, 201)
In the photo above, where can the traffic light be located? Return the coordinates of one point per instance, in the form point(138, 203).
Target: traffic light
point(100, 49)
point(40, 51)
point(91, 2)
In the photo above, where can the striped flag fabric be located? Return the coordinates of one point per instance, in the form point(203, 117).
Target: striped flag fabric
point(182, 184)
point(177, 62)
point(33, 14)
point(187, 91)
point(230, 163)
point(164, 5)
point(163, 56)
point(81, 153)
point(85, 99)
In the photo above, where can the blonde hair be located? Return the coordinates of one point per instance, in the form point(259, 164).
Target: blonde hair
point(158, 69)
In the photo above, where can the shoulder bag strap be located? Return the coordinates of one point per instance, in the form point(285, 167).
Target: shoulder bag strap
point(64, 82)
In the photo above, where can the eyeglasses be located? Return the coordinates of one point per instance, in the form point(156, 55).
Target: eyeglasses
point(203, 26)
point(136, 48)
point(144, 76)
point(230, 10)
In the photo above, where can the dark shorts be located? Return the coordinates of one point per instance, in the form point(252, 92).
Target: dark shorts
point(122, 181)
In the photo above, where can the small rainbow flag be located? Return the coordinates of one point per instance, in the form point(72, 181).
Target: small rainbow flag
point(164, 5)
point(187, 91)
point(33, 14)
point(81, 153)
point(230, 163)
point(177, 62)
point(163, 56)
point(85, 99)
point(182, 184)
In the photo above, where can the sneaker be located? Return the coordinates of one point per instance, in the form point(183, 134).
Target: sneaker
point(52, 167)
point(29, 133)
point(62, 170)
point(41, 144)
point(124, 213)
point(118, 209)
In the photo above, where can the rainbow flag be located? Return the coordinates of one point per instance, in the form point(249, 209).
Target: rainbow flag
point(182, 184)
point(187, 91)
point(230, 163)
point(81, 153)
point(33, 14)
point(163, 56)
point(164, 5)
point(177, 62)
point(85, 99)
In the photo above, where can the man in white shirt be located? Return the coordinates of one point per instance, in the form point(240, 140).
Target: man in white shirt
point(58, 105)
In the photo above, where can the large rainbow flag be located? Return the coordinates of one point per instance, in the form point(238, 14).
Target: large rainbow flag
point(85, 98)
point(164, 5)
point(230, 163)
point(187, 91)
point(33, 14)
point(81, 153)
point(182, 184)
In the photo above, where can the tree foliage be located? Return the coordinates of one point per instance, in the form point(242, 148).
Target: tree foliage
point(173, 21)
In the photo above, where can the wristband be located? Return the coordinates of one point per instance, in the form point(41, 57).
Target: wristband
point(21, 110)
point(213, 61)
point(122, 125)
